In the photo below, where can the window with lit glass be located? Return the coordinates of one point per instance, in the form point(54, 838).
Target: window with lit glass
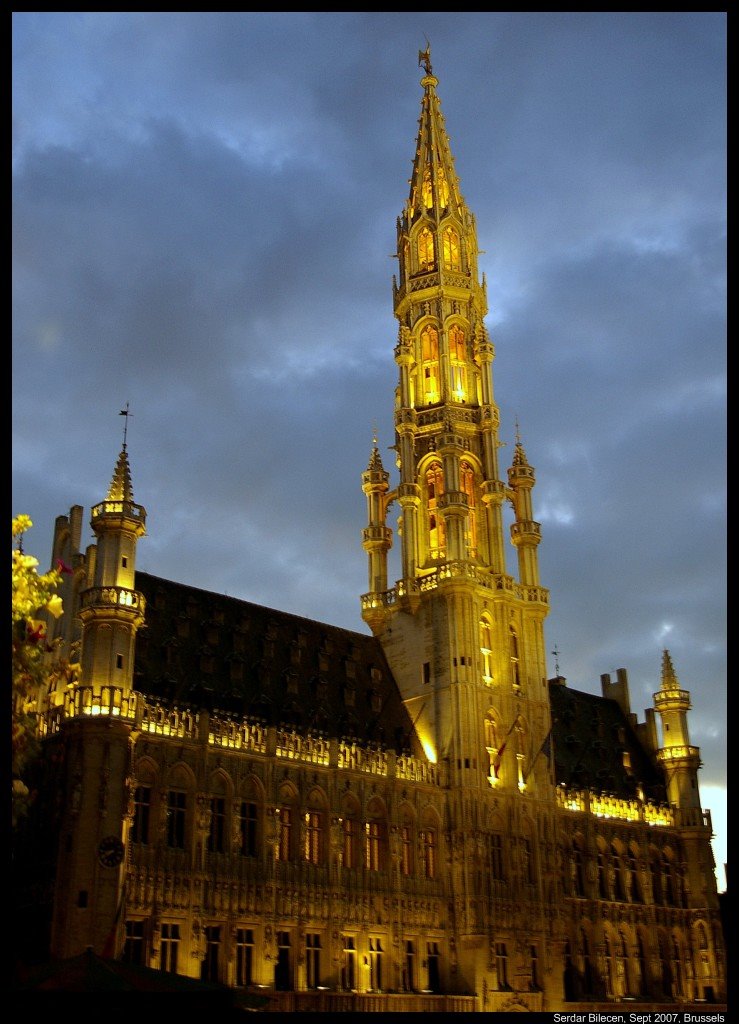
point(450, 243)
point(133, 948)
point(430, 365)
point(284, 832)
point(348, 963)
point(376, 953)
point(486, 649)
point(434, 491)
point(467, 483)
point(425, 250)
point(428, 852)
point(313, 836)
point(406, 849)
point(373, 845)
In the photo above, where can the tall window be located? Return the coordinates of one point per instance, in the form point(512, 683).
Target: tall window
point(176, 811)
point(486, 649)
point(133, 949)
point(169, 947)
point(285, 827)
point(283, 967)
point(467, 482)
point(313, 836)
point(373, 845)
point(587, 966)
point(209, 966)
point(425, 250)
point(244, 957)
point(450, 242)
point(408, 980)
point(348, 963)
point(527, 862)
point(515, 659)
point(619, 889)
point(432, 958)
point(430, 364)
point(406, 850)
point(457, 363)
point(141, 815)
point(577, 869)
point(349, 842)
point(248, 828)
point(535, 975)
point(428, 852)
point(501, 965)
point(312, 960)
point(654, 870)
point(375, 964)
point(434, 491)
point(633, 884)
point(602, 875)
point(217, 828)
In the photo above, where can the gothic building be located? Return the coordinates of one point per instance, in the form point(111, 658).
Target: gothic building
point(411, 819)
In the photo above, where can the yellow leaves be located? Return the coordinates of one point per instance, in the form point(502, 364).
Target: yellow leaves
point(54, 606)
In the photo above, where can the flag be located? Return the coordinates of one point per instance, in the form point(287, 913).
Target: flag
point(545, 749)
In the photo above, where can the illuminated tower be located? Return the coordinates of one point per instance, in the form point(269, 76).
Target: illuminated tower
point(99, 731)
point(464, 637)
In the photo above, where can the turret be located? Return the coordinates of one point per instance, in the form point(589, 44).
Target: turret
point(680, 760)
point(525, 533)
point(112, 610)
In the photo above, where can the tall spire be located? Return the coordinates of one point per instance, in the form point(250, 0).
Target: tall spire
point(434, 183)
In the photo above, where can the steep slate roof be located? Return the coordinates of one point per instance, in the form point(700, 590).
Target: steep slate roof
point(591, 735)
point(200, 649)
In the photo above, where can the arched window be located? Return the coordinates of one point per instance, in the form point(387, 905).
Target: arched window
point(287, 824)
point(425, 250)
point(586, 965)
point(619, 890)
point(457, 363)
point(603, 888)
point(486, 648)
point(467, 483)
point(375, 837)
point(430, 364)
point(434, 490)
point(350, 834)
point(314, 840)
point(450, 242)
point(515, 660)
point(633, 884)
point(655, 871)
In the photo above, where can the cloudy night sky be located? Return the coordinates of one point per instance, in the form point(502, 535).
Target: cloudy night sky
point(204, 210)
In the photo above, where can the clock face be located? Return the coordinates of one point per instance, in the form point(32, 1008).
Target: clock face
point(110, 852)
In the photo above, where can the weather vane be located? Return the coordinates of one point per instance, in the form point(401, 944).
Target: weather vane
point(424, 57)
point(126, 413)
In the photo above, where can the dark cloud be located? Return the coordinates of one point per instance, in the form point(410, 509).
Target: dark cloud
point(204, 210)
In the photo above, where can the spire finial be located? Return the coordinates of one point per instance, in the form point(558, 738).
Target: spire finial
point(126, 413)
point(555, 652)
point(518, 432)
point(374, 433)
point(424, 58)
